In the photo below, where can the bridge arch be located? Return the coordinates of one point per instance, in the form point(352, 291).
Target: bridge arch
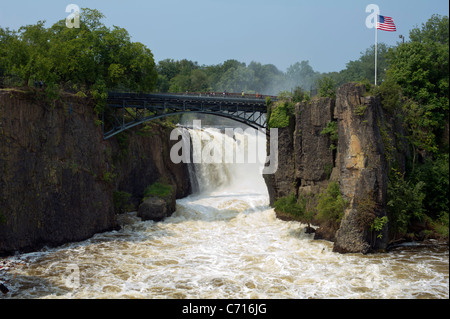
point(126, 110)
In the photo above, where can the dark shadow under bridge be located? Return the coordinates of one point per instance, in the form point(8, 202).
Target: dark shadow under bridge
point(126, 110)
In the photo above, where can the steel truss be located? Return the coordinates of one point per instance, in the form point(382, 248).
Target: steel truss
point(127, 110)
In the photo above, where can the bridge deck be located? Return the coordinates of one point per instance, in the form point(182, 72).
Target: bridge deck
point(126, 110)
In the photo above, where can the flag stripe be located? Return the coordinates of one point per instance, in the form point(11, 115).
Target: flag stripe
point(386, 24)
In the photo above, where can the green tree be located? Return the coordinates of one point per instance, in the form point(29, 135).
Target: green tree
point(434, 173)
point(236, 79)
point(364, 68)
point(92, 58)
point(301, 74)
point(405, 202)
point(327, 87)
point(421, 68)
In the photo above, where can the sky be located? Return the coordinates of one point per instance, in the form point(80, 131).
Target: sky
point(327, 33)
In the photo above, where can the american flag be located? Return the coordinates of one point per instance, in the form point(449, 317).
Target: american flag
point(386, 24)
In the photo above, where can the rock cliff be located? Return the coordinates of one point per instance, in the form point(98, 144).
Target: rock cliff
point(58, 175)
point(359, 163)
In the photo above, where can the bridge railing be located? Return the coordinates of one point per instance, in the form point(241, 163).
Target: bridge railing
point(226, 95)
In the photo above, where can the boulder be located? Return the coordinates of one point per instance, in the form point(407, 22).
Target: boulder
point(153, 208)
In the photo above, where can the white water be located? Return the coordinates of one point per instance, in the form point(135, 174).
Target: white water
point(224, 242)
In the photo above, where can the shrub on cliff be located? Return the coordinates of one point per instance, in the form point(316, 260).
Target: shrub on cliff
point(332, 131)
point(289, 205)
point(327, 87)
point(331, 204)
point(281, 114)
point(297, 208)
point(158, 189)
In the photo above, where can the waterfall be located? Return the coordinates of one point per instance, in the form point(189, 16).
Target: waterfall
point(225, 160)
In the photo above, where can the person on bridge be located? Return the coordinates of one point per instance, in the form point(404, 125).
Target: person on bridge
point(243, 94)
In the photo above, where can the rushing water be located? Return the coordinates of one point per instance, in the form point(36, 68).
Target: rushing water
point(224, 242)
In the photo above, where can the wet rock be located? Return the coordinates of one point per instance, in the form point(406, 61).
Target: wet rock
point(155, 208)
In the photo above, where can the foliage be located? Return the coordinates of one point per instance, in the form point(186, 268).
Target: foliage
point(332, 131)
point(441, 225)
point(280, 115)
point(158, 189)
point(405, 202)
point(363, 69)
point(290, 206)
point(108, 177)
point(331, 204)
point(360, 110)
point(93, 58)
point(435, 176)
point(421, 68)
point(378, 224)
point(285, 95)
point(297, 208)
point(327, 87)
point(299, 95)
point(390, 94)
point(233, 76)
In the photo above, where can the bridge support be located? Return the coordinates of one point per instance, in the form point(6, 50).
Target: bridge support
point(127, 110)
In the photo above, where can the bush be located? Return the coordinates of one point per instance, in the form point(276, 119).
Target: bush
point(390, 93)
point(435, 175)
point(290, 206)
point(331, 204)
point(332, 131)
point(280, 115)
point(405, 202)
point(158, 189)
point(441, 225)
point(298, 208)
point(327, 87)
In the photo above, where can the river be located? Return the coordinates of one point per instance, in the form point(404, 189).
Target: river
point(224, 242)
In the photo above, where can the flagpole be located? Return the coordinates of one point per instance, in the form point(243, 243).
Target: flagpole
point(376, 48)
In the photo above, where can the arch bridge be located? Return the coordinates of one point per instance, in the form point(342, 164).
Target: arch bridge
point(126, 110)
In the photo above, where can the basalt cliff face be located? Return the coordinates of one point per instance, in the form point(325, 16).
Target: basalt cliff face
point(359, 164)
point(58, 175)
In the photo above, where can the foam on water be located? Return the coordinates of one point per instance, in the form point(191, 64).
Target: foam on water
point(225, 242)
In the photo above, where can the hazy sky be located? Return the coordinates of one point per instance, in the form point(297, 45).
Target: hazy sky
point(326, 33)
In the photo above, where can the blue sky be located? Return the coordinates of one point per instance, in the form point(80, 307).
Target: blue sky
point(327, 33)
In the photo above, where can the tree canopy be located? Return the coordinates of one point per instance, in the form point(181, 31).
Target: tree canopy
point(420, 68)
point(90, 58)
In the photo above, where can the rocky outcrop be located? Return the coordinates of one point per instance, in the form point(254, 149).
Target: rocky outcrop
point(157, 208)
point(363, 173)
point(314, 159)
point(53, 180)
point(144, 158)
point(58, 175)
point(359, 164)
point(282, 183)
